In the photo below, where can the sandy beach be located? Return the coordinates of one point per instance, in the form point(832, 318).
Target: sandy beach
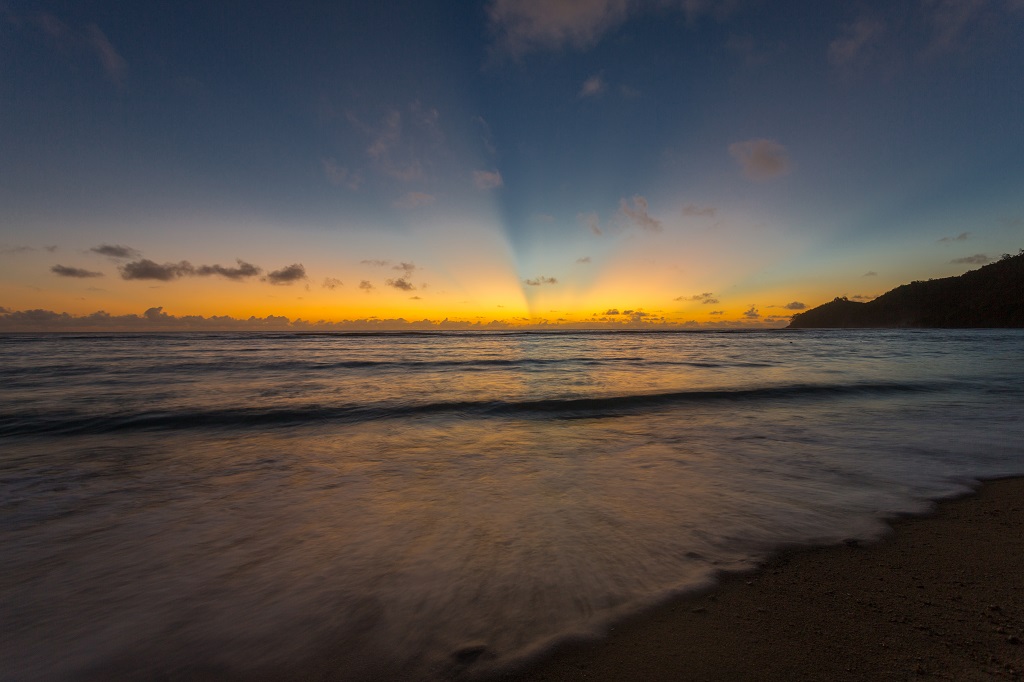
point(941, 597)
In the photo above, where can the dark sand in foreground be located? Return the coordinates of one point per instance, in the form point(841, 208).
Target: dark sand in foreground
point(940, 598)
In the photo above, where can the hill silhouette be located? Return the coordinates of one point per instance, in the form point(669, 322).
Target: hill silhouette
point(992, 296)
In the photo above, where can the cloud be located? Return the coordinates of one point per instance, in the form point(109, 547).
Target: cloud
point(593, 86)
point(157, 319)
point(401, 283)
point(375, 262)
point(522, 26)
point(950, 20)
point(585, 260)
point(341, 176)
point(612, 311)
point(147, 269)
point(855, 38)
point(112, 62)
point(591, 221)
point(243, 270)
point(66, 271)
point(976, 259)
point(628, 92)
point(962, 237)
point(90, 39)
point(15, 250)
point(287, 275)
point(366, 286)
point(870, 273)
point(390, 155)
point(407, 268)
point(761, 159)
point(331, 283)
point(115, 251)
point(717, 312)
point(695, 210)
point(707, 298)
point(415, 298)
point(637, 214)
point(415, 200)
point(538, 281)
point(751, 313)
point(486, 135)
point(487, 179)
point(795, 305)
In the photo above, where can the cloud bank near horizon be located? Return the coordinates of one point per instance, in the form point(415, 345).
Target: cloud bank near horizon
point(156, 320)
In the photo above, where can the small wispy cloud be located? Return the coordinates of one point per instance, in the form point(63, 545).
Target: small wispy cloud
point(390, 154)
point(88, 39)
point(591, 221)
point(415, 200)
point(377, 263)
point(486, 135)
point(638, 215)
point(870, 273)
point(147, 269)
point(706, 298)
point(15, 250)
point(593, 86)
point(287, 275)
point(761, 159)
point(951, 20)
point(406, 268)
point(401, 283)
point(854, 40)
point(67, 271)
point(521, 27)
point(585, 260)
point(962, 237)
point(243, 271)
point(366, 286)
point(116, 251)
point(976, 259)
point(113, 63)
point(331, 283)
point(629, 92)
point(485, 179)
point(693, 210)
point(795, 305)
point(540, 281)
point(751, 313)
point(341, 176)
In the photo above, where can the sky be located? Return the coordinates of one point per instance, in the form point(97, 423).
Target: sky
point(502, 163)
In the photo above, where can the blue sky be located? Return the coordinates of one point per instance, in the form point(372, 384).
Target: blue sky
point(531, 161)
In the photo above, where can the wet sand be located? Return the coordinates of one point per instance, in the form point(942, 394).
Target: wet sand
point(942, 597)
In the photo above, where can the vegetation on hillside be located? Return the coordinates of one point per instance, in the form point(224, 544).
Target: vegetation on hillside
point(992, 296)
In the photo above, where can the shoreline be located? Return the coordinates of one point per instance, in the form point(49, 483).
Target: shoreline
point(939, 597)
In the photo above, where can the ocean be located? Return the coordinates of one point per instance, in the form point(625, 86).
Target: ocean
point(442, 505)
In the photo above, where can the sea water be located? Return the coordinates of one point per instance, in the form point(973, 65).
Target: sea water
point(424, 506)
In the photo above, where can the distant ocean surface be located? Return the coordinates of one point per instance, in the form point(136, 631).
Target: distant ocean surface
point(423, 506)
